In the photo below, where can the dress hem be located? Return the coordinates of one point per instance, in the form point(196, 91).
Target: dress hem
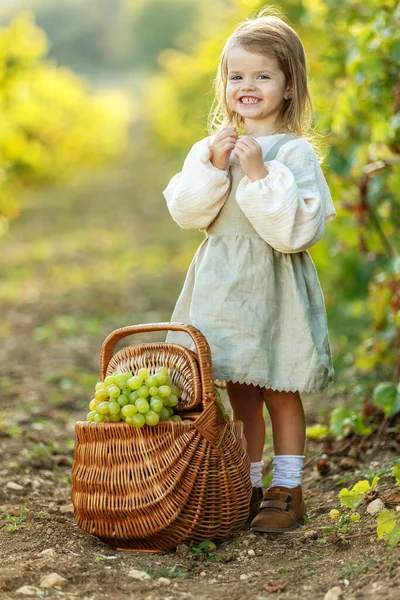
point(275, 388)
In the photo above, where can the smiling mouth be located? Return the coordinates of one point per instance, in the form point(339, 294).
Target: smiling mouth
point(248, 100)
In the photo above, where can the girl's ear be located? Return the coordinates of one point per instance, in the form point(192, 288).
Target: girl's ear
point(288, 93)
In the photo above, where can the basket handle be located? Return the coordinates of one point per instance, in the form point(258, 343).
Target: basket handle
point(202, 347)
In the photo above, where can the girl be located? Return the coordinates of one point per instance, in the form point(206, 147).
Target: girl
point(252, 289)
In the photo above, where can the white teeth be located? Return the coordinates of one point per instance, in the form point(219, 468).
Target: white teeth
point(249, 100)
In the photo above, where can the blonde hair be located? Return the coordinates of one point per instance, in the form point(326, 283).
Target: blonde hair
point(268, 34)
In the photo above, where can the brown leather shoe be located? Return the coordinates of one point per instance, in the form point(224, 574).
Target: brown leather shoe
point(282, 509)
point(255, 501)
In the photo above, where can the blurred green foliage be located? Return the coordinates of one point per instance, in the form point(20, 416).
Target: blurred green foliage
point(104, 38)
point(52, 124)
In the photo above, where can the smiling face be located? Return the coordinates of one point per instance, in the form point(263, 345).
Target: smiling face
point(256, 89)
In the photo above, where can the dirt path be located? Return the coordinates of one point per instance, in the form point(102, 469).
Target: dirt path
point(306, 563)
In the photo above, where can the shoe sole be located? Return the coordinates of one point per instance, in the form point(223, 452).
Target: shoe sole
point(277, 529)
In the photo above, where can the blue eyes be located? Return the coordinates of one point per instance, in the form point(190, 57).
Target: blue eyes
point(236, 76)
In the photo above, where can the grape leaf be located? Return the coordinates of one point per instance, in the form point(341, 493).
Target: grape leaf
point(375, 482)
point(349, 499)
point(394, 535)
point(387, 396)
point(352, 498)
point(396, 473)
point(388, 527)
point(361, 487)
point(317, 431)
point(340, 417)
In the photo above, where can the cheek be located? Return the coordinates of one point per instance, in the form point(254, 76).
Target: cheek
point(229, 95)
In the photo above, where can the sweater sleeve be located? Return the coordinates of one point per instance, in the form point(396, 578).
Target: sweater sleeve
point(291, 205)
point(196, 194)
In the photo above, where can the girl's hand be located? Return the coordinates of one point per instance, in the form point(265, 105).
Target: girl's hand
point(251, 159)
point(222, 146)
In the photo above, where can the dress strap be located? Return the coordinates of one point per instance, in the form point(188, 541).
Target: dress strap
point(273, 151)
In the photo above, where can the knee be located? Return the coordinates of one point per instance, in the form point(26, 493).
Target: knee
point(277, 402)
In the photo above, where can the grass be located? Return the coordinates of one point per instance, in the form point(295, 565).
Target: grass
point(16, 521)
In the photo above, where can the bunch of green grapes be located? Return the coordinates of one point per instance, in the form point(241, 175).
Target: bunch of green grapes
point(140, 399)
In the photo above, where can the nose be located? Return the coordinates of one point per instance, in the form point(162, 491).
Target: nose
point(247, 84)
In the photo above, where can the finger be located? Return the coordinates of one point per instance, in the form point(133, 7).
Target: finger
point(227, 132)
point(230, 129)
point(228, 140)
point(241, 147)
point(246, 142)
point(249, 139)
point(228, 148)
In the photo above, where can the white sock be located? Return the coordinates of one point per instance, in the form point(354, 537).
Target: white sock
point(287, 470)
point(256, 473)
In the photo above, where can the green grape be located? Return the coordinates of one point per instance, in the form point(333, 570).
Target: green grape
point(138, 420)
point(163, 370)
point(126, 375)
point(176, 418)
point(164, 391)
point(355, 517)
point(133, 396)
point(171, 400)
point(126, 392)
point(113, 391)
point(176, 391)
point(98, 418)
point(100, 385)
point(143, 373)
point(156, 398)
point(93, 404)
point(129, 411)
point(143, 392)
point(107, 418)
point(109, 380)
point(101, 395)
point(90, 416)
point(115, 418)
point(152, 418)
point(170, 411)
point(334, 514)
point(160, 378)
point(142, 405)
point(156, 405)
point(113, 408)
point(164, 414)
point(102, 408)
point(122, 400)
point(134, 383)
point(153, 391)
point(150, 381)
point(121, 380)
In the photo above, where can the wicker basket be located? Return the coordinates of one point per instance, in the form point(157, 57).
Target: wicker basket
point(152, 488)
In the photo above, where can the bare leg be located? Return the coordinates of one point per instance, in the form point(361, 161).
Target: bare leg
point(247, 404)
point(288, 423)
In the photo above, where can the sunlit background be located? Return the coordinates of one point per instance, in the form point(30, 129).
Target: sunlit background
point(100, 103)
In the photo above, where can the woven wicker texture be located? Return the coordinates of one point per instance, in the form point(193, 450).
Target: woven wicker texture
point(153, 488)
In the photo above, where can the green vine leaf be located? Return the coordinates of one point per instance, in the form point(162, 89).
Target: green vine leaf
point(352, 498)
point(388, 527)
point(387, 397)
point(396, 473)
